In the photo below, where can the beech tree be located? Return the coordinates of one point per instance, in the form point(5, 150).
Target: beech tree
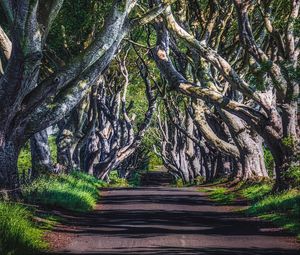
point(29, 102)
point(271, 111)
point(247, 146)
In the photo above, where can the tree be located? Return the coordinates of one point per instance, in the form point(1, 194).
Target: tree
point(30, 102)
point(271, 111)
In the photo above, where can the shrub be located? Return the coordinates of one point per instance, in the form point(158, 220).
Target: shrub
point(199, 180)
point(18, 235)
point(135, 179)
point(116, 181)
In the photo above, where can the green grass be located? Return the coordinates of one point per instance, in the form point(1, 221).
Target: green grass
point(222, 195)
point(76, 191)
point(282, 209)
point(18, 234)
point(255, 192)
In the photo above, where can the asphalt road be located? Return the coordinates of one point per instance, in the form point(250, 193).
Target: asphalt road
point(163, 220)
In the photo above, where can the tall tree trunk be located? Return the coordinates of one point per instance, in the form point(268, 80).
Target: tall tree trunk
point(252, 159)
point(9, 179)
point(40, 154)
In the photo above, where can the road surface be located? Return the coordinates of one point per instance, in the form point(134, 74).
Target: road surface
point(164, 220)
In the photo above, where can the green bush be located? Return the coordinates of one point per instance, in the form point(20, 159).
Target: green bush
point(116, 181)
point(135, 179)
point(18, 235)
point(199, 180)
point(179, 183)
point(76, 191)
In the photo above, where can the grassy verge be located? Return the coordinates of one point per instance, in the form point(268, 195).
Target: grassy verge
point(76, 191)
point(282, 209)
point(222, 195)
point(18, 234)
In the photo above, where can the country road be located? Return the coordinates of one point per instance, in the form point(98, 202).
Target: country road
point(164, 220)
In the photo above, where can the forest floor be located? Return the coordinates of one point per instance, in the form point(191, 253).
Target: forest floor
point(166, 220)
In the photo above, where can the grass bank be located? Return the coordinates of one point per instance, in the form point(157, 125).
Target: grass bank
point(21, 232)
point(283, 209)
point(18, 233)
point(76, 191)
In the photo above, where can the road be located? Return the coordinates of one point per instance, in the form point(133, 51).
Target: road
point(164, 220)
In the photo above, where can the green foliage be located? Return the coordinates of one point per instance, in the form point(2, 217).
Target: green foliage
point(53, 148)
point(18, 235)
point(288, 141)
point(24, 160)
point(154, 160)
point(116, 181)
point(76, 191)
point(293, 175)
point(135, 179)
point(269, 161)
point(199, 180)
point(282, 209)
point(179, 183)
point(70, 34)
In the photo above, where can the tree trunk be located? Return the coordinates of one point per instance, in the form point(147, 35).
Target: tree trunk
point(285, 158)
point(252, 159)
point(9, 179)
point(40, 154)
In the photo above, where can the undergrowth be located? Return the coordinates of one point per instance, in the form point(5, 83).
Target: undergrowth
point(283, 209)
point(116, 182)
point(76, 191)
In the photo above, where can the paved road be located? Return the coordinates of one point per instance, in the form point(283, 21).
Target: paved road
point(161, 220)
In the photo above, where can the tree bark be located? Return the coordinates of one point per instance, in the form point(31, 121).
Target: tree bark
point(40, 154)
point(9, 178)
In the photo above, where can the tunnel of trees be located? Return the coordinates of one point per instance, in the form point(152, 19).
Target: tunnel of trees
point(207, 88)
point(215, 84)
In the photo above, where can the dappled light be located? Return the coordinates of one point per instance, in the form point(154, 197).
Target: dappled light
point(149, 127)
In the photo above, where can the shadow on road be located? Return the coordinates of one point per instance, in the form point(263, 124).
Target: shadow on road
point(155, 220)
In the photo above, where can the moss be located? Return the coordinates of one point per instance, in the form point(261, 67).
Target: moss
point(288, 141)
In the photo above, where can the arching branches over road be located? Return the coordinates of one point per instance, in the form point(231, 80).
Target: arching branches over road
point(269, 106)
point(32, 99)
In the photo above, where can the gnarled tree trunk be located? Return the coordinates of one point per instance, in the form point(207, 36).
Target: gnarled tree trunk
point(40, 154)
